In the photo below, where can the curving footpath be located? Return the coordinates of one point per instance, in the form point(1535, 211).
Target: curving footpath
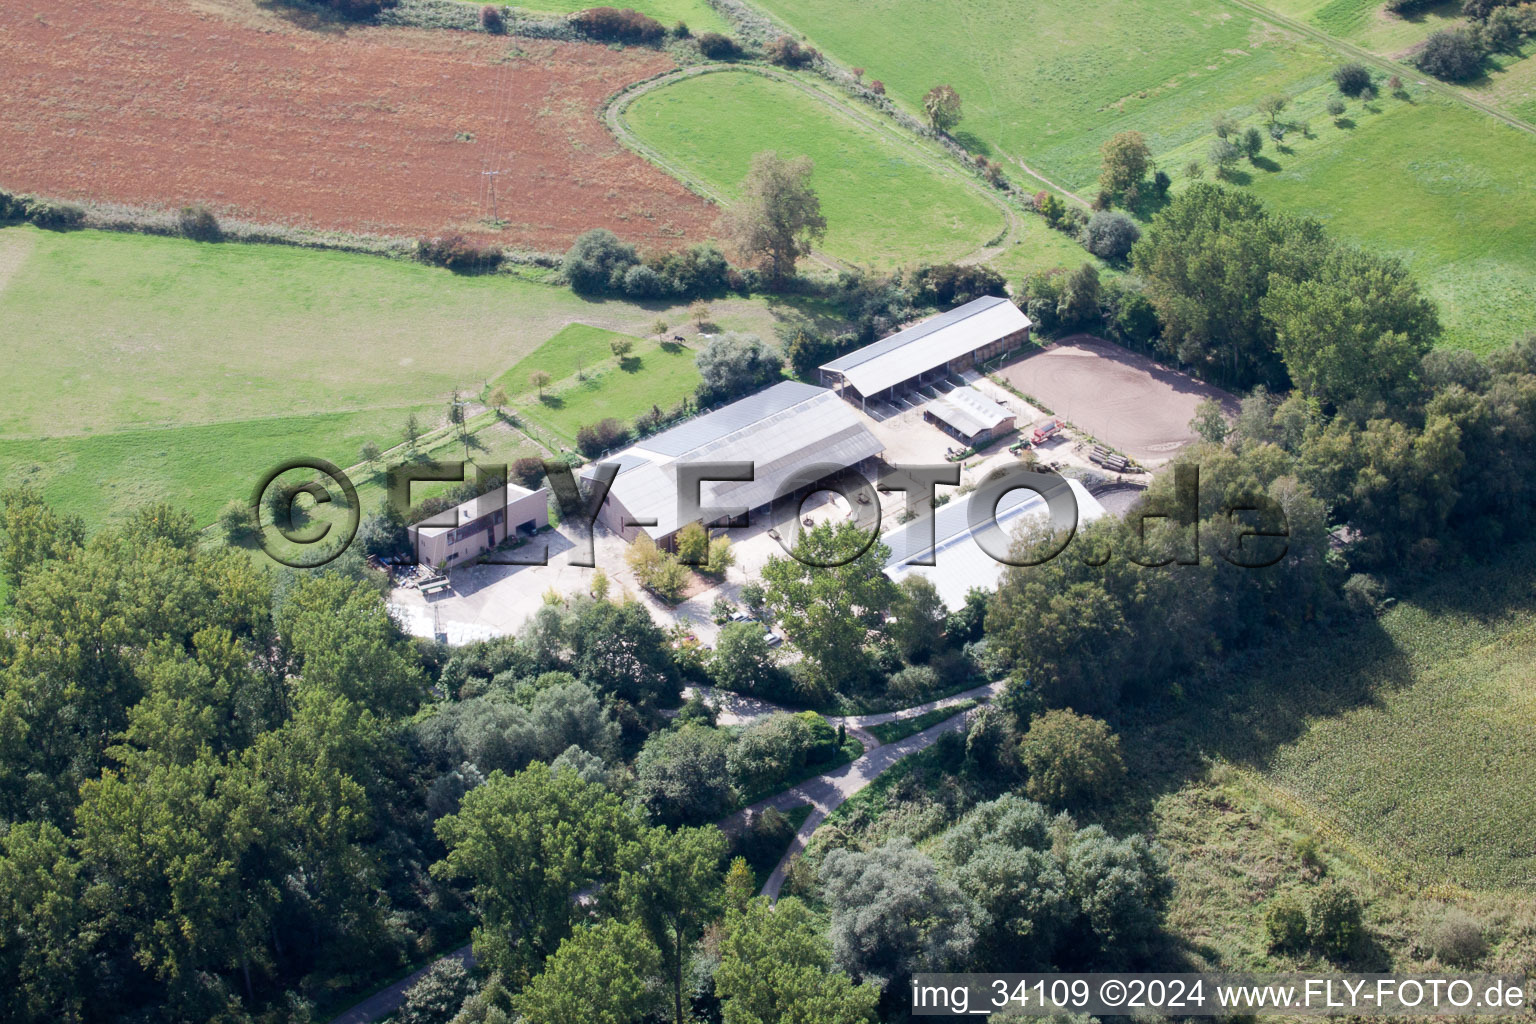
point(825, 793)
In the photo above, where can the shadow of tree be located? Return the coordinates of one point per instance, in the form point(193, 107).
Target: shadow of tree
point(1265, 164)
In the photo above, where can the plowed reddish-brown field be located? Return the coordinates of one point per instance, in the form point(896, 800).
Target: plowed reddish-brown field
point(362, 129)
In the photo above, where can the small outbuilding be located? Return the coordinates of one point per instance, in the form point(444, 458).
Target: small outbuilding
point(483, 523)
point(970, 416)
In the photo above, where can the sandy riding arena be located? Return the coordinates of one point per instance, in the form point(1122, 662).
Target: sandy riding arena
point(361, 129)
point(1124, 399)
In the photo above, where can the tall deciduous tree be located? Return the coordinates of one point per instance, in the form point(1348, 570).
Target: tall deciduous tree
point(671, 883)
point(829, 595)
point(1126, 162)
point(776, 968)
point(778, 216)
point(599, 975)
point(1356, 329)
point(527, 844)
point(942, 105)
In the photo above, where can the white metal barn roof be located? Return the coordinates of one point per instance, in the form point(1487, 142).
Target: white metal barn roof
point(784, 429)
point(969, 411)
point(929, 345)
point(959, 562)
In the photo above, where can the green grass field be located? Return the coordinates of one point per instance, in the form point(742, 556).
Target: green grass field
point(1408, 741)
point(884, 201)
point(651, 375)
point(198, 467)
point(1435, 184)
point(576, 348)
point(142, 368)
point(112, 331)
point(1440, 184)
point(1368, 24)
point(1036, 85)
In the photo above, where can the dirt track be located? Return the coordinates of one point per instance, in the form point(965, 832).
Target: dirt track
point(1123, 399)
point(370, 130)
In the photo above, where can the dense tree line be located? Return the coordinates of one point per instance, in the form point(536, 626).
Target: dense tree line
point(201, 774)
point(1369, 492)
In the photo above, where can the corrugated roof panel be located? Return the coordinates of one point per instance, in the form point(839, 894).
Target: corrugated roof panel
point(701, 430)
point(914, 333)
point(959, 562)
point(929, 345)
point(969, 411)
point(817, 428)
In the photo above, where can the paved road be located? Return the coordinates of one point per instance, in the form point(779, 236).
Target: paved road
point(387, 1000)
point(825, 793)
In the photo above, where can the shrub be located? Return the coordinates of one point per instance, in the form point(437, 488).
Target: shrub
point(1457, 938)
point(1351, 78)
point(527, 472)
point(54, 216)
point(198, 223)
point(1450, 54)
point(767, 836)
point(718, 47)
point(1110, 235)
point(458, 253)
point(877, 87)
point(789, 53)
point(601, 436)
point(1335, 107)
point(1334, 922)
point(914, 684)
point(1070, 759)
point(680, 30)
point(11, 207)
point(735, 364)
point(491, 19)
point(1286, 923)
point(620, 26)
point(947, 284)
point(356, 10)
point(438, 995)
point(641, 282)
point(593, 259)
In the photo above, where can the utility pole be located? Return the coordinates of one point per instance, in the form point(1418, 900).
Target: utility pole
point(494, 215)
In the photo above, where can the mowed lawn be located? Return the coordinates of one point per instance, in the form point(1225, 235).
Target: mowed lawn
point(1049, 81)
point(885, 202)
point(141, 368)
point(109, 331)
point(1368, 23)
point(1442, 185)
point(200, 468)
point(651, 375)
point(1450, 191)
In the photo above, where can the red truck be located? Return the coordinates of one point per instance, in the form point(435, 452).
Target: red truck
point(1045, 431)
